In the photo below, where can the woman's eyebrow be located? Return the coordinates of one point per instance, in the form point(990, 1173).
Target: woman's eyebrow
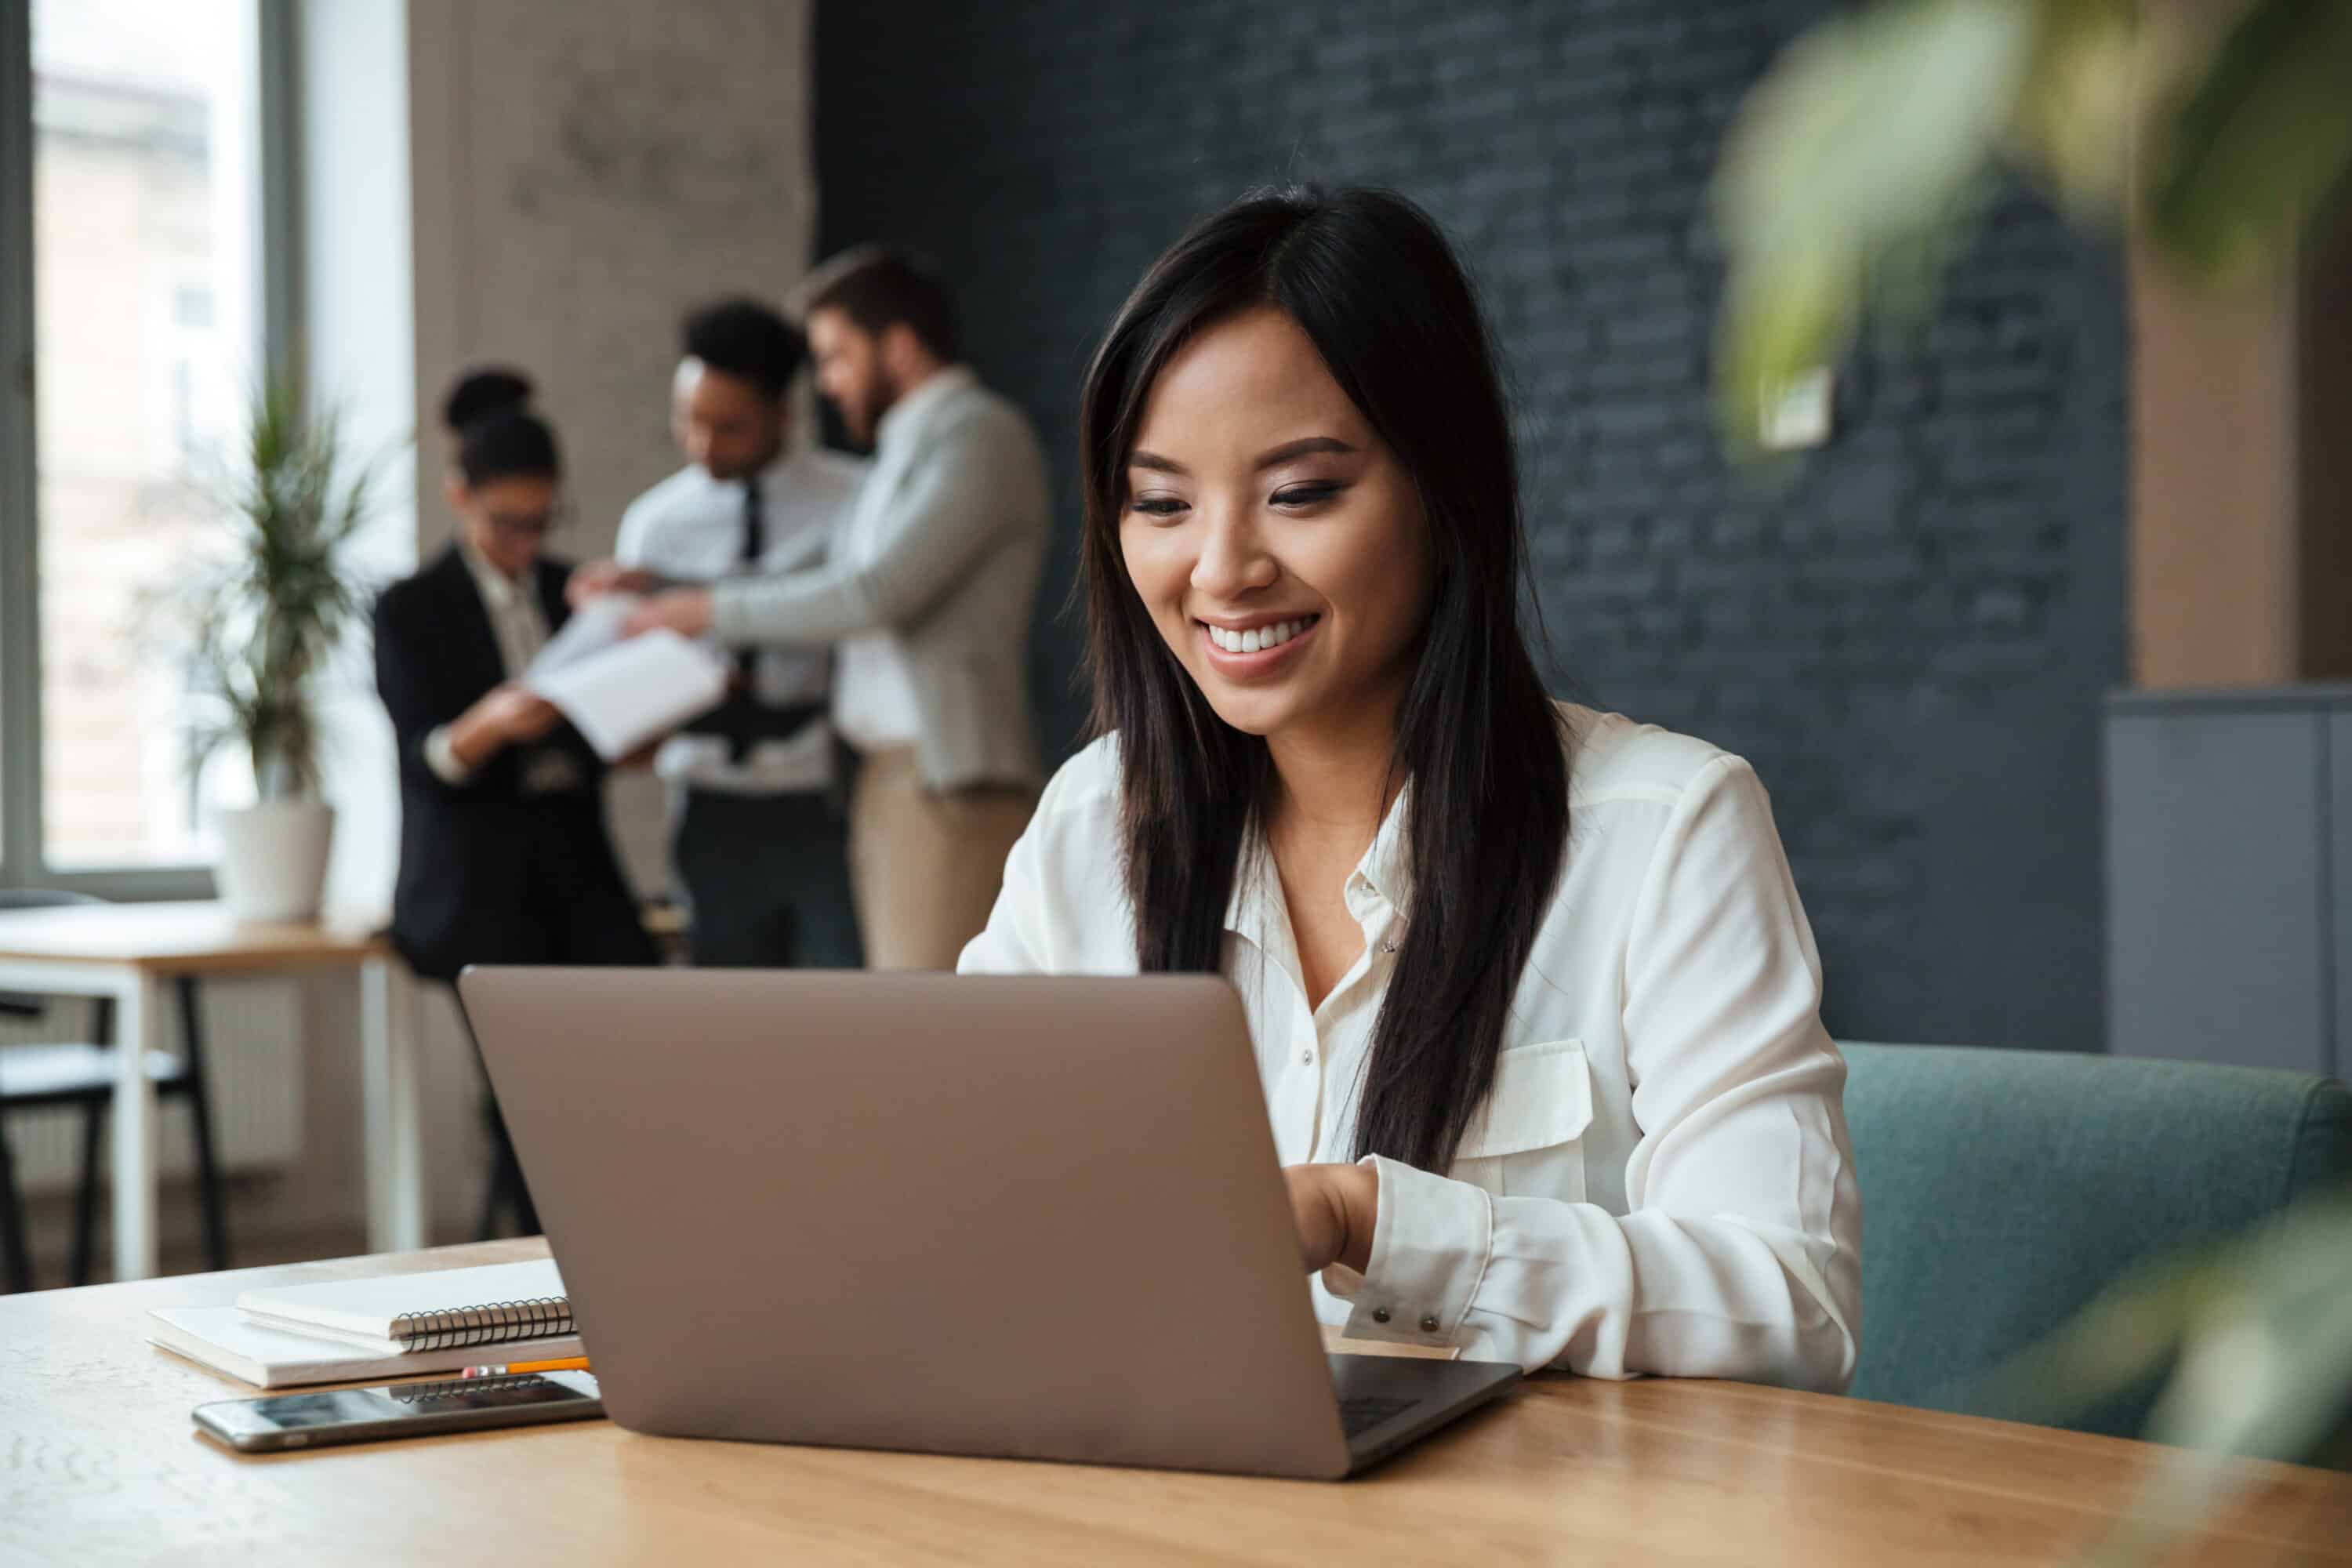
point(1272, 459)
point(1275, 457)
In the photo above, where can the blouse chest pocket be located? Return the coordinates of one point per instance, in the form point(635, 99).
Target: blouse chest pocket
point(1528, 1139)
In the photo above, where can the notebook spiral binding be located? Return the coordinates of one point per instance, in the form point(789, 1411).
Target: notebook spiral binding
point(492, 1323)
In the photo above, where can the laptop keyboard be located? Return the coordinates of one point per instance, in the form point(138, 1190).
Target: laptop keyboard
point(1364, 1412)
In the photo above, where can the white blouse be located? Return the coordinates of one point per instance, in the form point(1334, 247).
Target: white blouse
point(1659, 1181)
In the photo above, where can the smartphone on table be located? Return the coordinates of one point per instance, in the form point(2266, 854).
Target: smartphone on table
point(399, 1410)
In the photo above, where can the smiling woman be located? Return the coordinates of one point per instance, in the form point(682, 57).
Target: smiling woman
point(1562, 1100)
point(1236, 546)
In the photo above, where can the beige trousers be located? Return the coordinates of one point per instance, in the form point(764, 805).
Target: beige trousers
point(926, 864)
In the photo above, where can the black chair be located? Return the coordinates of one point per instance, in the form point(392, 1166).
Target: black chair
point(506, 1193)
point(47, 1077)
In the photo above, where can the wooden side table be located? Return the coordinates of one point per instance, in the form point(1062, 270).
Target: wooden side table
point(132, 952)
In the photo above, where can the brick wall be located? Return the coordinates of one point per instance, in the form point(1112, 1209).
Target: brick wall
point(1906, 631)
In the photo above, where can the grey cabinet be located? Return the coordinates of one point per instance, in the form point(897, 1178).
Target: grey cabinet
point(2228, 853)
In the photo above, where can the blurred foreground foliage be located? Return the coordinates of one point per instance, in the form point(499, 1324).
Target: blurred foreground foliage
point(2213, 130)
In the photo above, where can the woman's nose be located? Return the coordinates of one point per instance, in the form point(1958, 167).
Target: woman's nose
point(1233, 559)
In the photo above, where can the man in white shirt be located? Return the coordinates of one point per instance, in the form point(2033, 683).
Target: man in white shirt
point(928, 597)
point(760, 841)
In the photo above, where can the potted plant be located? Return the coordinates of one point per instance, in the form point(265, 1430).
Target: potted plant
point(264, 616)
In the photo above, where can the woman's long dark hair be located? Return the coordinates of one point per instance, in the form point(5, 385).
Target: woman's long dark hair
point(1373, 284)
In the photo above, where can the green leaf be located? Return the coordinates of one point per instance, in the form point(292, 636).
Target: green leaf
point(263, 621)
point(2261, 1348)
point(2265, 1371)
point(2271, 1368)
point(2130, 1329)
point(2072, 124)
point(1855, 153)
point(2247, 155)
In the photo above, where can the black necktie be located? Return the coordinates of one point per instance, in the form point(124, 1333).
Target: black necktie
point(747, 660)
point(755, 545)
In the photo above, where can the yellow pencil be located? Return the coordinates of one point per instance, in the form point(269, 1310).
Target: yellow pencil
point(516, 1369)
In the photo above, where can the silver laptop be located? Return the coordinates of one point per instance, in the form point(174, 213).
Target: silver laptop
point(1028, 1217)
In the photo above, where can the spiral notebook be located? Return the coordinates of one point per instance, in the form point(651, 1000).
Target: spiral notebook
point(225, 1340)
point(451, 1309)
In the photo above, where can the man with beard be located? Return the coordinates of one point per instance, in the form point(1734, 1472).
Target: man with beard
point(926, 597)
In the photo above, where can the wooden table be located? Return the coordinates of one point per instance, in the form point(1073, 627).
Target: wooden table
point(99, 1464)
point(132, 952)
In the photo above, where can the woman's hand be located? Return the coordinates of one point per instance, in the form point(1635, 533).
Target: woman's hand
point(1336, 1208)
point(594, 579)
point(686, 611)
point(525, 714)
point(509, 714)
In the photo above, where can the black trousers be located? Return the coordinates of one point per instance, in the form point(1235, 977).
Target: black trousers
point(768, 877)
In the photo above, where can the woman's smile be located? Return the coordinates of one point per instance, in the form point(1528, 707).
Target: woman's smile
point(1257, 648)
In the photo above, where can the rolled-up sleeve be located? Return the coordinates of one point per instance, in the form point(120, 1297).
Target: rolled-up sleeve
point(1740, 1254)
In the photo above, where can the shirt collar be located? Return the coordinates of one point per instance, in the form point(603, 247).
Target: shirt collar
point(498, 590)
point(765, 478)
point(1247, 905)
point(1387, 866)
point(1382, 881)
point(905, 416)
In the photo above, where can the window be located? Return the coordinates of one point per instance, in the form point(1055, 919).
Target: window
point(139, 194)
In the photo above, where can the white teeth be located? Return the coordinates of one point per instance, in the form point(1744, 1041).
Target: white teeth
point(1259, 638)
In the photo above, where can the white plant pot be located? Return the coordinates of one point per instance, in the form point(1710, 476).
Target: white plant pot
point(273, 863)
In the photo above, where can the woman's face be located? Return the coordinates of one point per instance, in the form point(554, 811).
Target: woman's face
point(507, 519)
point(1279, 546)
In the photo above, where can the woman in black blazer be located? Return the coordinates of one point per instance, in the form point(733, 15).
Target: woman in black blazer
point(504, 856)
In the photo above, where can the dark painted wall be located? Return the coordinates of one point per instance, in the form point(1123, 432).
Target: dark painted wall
point(1906, 631)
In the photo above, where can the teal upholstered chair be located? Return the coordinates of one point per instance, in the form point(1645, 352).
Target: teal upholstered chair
point(2001, 1190)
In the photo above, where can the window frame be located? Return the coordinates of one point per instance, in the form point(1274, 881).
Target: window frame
point(22, 861)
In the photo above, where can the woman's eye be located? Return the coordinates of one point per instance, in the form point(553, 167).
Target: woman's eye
point(1156, 506)
point(1305, 495)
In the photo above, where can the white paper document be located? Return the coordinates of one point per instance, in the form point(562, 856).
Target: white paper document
point(618, 693)
point(594, 628)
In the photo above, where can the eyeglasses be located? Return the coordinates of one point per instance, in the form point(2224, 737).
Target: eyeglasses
point(528, 525)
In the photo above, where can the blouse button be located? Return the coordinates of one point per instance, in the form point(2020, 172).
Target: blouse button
point(1306, 1055)
point(1428, 1323)
point(1379, 1314)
